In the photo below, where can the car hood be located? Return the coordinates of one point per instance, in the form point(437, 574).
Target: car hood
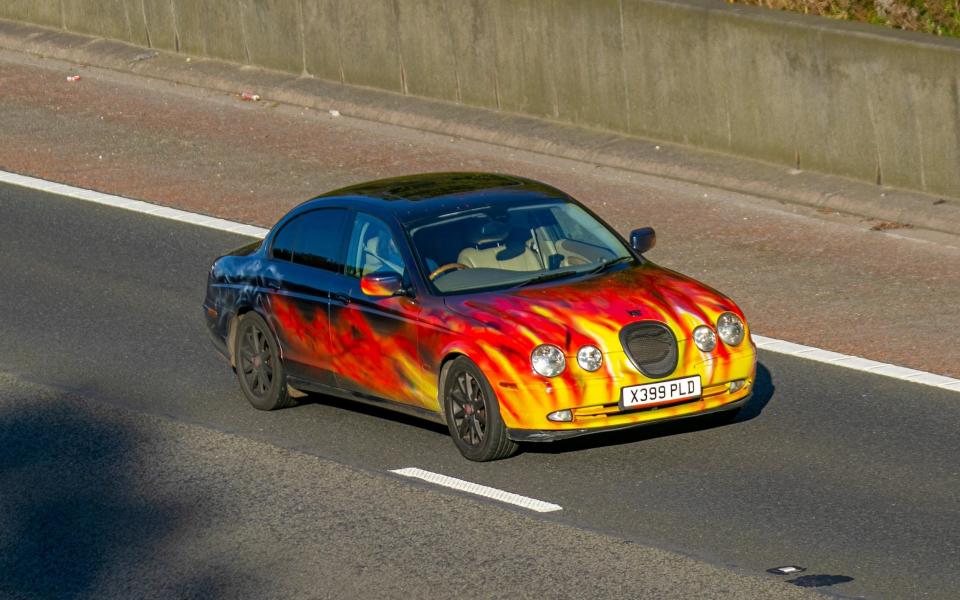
point(595, 309)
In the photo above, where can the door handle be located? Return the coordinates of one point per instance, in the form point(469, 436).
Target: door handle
point(340, 298)
point(273, 284)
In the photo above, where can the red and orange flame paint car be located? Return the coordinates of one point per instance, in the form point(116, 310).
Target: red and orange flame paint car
point(495, 304)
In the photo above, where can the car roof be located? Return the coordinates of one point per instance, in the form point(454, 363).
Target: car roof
point(412, 196)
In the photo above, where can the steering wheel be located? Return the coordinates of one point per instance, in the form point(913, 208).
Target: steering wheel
point(447, 267)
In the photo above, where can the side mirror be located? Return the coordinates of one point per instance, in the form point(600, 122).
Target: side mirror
point(643, 239)
point(382, 284)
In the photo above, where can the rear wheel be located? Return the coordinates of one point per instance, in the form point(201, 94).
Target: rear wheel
point(258, 366)
point(473, 414)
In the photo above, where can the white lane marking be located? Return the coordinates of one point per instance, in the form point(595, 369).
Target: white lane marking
point(134, 205)
point(856, 363)
point(764, 343)
point(478, 490)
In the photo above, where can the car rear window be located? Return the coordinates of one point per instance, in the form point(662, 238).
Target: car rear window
point(314, 239)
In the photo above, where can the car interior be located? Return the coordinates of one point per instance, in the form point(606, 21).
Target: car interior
point(372, 248)
point(524, 243)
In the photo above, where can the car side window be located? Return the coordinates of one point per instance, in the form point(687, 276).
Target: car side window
point(313, 239)
point(285, 240)
point(372, 248)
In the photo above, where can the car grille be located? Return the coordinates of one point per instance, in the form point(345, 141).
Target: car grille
point(651, 347)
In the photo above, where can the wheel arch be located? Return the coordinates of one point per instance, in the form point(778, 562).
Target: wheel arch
point(472, 352)
point(493, 428)
point(242, 310)
point(445, 365)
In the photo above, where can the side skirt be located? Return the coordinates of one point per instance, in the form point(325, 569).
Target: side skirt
point(413, 411)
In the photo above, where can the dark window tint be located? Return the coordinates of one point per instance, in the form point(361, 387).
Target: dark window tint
point(285, 240)
point(314, 239)
point(320, 239)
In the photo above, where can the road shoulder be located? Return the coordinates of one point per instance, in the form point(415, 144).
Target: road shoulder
point(642, 156)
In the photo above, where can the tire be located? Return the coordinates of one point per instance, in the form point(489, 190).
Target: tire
point(258, 365)
point(473, 414)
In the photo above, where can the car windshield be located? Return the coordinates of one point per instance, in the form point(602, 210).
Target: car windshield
point(498, 246)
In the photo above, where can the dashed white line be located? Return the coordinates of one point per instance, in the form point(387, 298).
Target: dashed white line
point(478, 490)
point(764, 343)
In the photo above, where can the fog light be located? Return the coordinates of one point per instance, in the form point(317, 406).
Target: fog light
point(561, 415)
point(736, 386)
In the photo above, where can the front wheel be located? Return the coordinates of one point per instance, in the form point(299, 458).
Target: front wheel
point(258, 366)
point(473, 414)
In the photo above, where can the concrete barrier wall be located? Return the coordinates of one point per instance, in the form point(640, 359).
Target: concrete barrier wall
point(842, 98)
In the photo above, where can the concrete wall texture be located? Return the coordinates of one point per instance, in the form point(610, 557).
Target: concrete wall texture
point(842, 98)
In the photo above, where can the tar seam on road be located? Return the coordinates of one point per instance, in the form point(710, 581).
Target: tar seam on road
point(763, 343)
point(478, 490)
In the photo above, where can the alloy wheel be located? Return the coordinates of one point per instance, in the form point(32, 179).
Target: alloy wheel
point(469, 409)
point(256, 361)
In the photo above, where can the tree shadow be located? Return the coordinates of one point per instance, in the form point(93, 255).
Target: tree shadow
point(76, 520)
point(762, 393)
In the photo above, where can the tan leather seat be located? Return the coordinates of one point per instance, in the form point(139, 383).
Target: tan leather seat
point(494, 254)
point(371, 262)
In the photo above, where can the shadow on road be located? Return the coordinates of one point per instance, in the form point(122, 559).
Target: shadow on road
point(372, 410)
point(74, 519)
point(762, 393)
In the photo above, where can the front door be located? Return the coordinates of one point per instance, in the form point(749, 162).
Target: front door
point(374, 340)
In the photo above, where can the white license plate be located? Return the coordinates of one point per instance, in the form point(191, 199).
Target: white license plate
point(634, 396)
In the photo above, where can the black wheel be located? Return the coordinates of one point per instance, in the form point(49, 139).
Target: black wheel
point(473, 414)
point(258, 365)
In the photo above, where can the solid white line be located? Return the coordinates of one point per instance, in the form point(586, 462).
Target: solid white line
point(478, 490)
point(855, 363)
point(139, 206)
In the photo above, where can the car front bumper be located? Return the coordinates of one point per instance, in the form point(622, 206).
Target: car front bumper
point(690, 409)
point(593, 401)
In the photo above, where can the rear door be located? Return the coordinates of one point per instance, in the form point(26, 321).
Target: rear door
point(306, 259)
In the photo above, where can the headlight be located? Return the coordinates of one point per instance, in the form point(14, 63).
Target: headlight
point(705, 338)
point(730, 328)
point(589, 358)
point(548, 360)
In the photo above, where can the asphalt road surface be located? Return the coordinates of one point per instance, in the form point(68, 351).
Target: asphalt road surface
point(853, 476)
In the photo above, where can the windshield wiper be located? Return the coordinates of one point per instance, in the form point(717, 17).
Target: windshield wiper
point(604, 265)
point(549, 276)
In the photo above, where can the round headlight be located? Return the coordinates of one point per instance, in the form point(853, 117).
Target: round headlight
point(589, 358)
point(705, 338)
point(548, 360)
point(730, 328)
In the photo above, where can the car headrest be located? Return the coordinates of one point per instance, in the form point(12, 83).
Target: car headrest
point(490, 232)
